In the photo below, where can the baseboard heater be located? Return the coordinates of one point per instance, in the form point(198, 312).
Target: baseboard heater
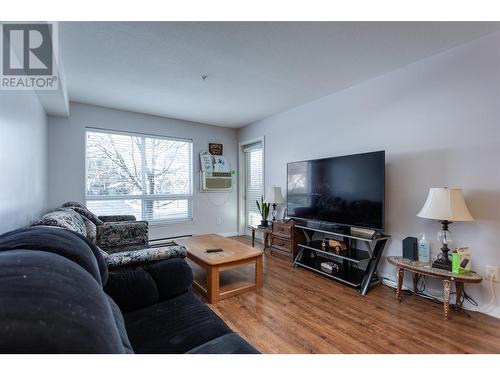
point(157, 242)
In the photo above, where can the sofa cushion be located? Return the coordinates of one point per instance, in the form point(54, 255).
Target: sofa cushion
point(172, 276)
point(63, 218)
point(49, 304)
point(227, 344)
point(132, 289)
point(173, 326)
point(66, 243)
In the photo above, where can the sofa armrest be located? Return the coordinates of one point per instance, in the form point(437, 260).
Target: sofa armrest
point(141, 287)
point(109, 218)
point(172, 277)
point(122, 234)
point(143, 256)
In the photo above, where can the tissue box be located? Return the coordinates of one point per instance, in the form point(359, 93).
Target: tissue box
point(461, 260)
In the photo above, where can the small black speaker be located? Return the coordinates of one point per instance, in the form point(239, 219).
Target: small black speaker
point(410, 248)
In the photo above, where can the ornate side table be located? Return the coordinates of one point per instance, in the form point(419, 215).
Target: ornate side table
point(421, 268)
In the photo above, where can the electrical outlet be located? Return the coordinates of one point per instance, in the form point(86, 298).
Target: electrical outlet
point(492, 273)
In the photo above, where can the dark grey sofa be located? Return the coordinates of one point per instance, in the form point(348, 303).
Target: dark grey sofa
point(56, 296)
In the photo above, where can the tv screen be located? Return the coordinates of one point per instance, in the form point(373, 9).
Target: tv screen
point(347, 190)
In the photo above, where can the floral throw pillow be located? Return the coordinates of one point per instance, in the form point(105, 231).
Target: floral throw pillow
point(88, 214)
point(64, 218)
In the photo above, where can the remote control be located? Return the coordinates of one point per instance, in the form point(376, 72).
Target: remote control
point(214, 250)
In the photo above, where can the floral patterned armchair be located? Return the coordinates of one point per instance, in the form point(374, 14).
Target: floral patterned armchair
point(123, 240)
point(115, 233)
point(112, 234)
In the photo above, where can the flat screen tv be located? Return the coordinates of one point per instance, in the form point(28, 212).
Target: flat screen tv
point(346, 190)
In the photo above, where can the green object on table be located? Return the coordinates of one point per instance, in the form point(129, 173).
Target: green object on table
point(459, 262)
point(455, 262)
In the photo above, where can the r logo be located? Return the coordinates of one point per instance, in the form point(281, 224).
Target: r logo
point(27, 49)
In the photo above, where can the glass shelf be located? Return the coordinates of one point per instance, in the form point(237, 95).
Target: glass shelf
point(352, 254)
point(349, 275)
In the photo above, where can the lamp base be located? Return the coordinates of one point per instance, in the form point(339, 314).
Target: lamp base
point(442, 263)
point(275, 212)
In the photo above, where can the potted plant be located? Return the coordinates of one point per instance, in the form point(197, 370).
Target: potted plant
point(264, 210)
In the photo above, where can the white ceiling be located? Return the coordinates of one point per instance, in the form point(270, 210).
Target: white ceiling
point(255, 69)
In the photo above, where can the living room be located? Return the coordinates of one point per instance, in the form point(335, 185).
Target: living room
point(208, 187)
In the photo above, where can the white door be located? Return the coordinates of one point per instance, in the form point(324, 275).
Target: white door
point(254, 181)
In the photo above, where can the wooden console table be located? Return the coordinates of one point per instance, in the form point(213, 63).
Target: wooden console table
point(280, 237)
point(283, 238)
point(421, 268)
point(265, 234)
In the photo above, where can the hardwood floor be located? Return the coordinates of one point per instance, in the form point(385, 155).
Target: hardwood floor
point(299, 311)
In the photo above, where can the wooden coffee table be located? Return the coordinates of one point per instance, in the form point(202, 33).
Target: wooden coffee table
point(235, 255)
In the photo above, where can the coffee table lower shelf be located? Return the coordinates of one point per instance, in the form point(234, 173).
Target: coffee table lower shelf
point(226, 291)
point(215, 287)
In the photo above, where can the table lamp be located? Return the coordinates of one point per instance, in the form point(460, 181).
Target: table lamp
point(274, 197)
point(447, 206)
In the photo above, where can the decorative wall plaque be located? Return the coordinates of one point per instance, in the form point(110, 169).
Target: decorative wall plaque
point(215, 148)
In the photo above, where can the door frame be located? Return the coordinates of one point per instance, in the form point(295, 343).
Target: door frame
point(242, 230)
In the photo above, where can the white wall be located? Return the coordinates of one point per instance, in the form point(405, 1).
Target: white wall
point(212, 212)
point(439, 122)
point(23, 159)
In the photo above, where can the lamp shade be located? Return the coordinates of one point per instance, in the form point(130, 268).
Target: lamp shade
point(274, 195)
point(445, 204)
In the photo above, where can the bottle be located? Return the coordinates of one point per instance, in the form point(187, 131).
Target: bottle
point(423, 249)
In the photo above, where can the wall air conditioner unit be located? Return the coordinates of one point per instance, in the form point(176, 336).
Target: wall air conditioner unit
point(216, 181)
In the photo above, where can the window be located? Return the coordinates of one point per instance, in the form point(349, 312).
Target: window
point(254, 178)
point(135, 174)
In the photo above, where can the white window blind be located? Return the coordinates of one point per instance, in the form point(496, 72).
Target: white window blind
point(134, 174)
point(254, 181)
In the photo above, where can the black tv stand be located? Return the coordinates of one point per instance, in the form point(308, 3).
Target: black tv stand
point(334, 228)
point(355, 267)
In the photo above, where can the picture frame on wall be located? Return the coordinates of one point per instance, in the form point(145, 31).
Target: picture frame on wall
point(215, 149)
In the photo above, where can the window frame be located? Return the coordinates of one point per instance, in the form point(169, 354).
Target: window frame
point(248, 150)
point(143, 197)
